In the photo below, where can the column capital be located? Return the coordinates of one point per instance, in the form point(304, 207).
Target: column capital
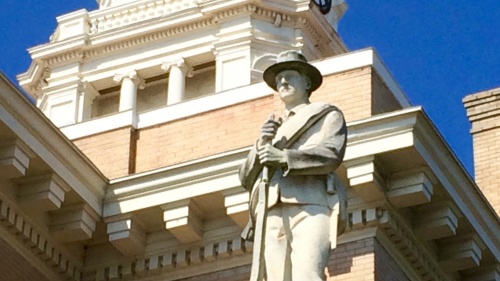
point(133, 76)
point(181, 64)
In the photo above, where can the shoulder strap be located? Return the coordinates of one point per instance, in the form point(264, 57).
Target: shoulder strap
point(311, 121)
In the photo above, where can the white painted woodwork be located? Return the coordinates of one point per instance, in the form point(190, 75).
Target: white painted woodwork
point(461, 253)
point(241, 36)
point(130, 82)
point(183, 220)
point(329, 66)
point(177, 80)
point(410, 190)
point(126, 234)
point(43, 193)
point(85, 102)
point(365, 179)
point(436, 220)
point(236, 202)
point(71, 25)
point(14, 158)
point(63, 104)
point(73, 223)
point(483, 273)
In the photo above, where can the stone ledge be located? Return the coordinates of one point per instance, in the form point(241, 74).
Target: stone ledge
point(182, 263)
point(38, 244)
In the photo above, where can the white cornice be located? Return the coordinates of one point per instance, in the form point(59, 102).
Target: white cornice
point(48, 143)
point(174, 183)
point(458, 184)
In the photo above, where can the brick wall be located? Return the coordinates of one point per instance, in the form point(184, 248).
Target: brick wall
point(487, 164)
point(352, 261)
point(241, 273)
point(364, 259)
point(386, 268)
point(201, 135)
point(350, 91)
point(109, 151)
point(382, 98)
point(483, 110)
point(14, 267)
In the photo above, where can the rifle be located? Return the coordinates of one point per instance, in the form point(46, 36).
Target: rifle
point(258, 264)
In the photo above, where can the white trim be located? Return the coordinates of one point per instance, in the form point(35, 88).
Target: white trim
point(100, 125)
point(172, 194)
point(203, 104)
point(220, 172)
point(33, 128)
point(337, 64)
point(203, 176)
point(459, 185)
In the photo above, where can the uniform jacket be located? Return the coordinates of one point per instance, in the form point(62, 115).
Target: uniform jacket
point(314, 142)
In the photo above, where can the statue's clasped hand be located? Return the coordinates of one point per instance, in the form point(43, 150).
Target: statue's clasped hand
point(269, 129)
point(268, 154)
point(271, 156)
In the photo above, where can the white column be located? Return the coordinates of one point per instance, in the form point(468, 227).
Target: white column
point(176, 80)
point(86, 98)
point(128, 91)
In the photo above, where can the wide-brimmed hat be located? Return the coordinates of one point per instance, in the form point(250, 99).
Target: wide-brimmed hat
point(292, 60)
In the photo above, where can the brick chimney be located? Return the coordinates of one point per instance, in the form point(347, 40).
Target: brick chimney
point(483, 110)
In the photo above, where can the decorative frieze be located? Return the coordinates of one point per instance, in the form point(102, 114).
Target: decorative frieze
point(180, 261)
point(147, 38)
point(360, 219)
point(105, 20)
point(422, 260)
point(37, 243)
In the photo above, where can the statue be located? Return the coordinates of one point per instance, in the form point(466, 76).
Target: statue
point(290, 173)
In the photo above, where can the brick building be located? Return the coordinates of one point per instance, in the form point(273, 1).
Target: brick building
point(126, 168)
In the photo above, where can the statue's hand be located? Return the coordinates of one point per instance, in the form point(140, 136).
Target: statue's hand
point(271, 156)
point(268, 130)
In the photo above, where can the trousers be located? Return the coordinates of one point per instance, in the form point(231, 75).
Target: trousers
point(297, 242)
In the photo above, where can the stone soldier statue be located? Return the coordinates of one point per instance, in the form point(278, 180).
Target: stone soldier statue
point(307, 146)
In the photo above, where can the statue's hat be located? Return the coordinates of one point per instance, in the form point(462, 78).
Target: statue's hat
point(292, 60)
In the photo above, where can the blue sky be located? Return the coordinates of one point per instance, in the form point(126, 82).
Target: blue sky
point(438, 51)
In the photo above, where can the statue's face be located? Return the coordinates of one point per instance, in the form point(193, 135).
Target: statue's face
point(292, 85)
